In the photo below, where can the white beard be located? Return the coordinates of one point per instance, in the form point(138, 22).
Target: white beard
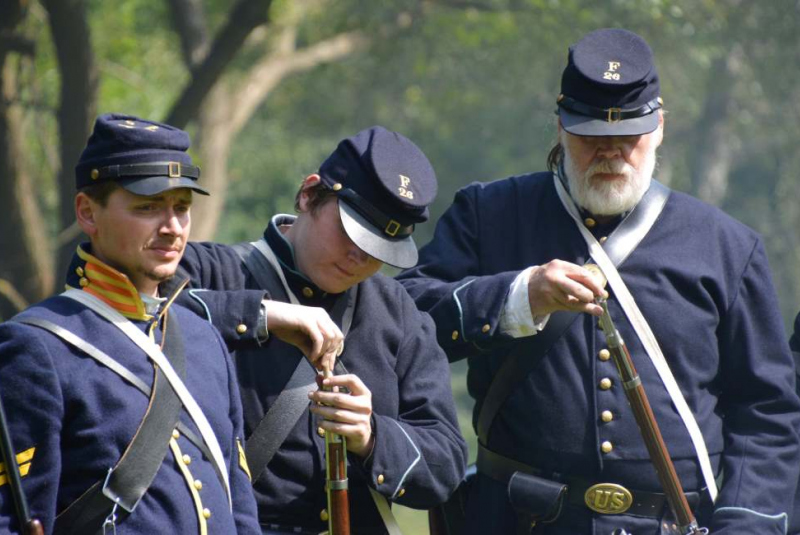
point(600, 197)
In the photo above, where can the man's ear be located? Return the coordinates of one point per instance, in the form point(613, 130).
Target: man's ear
point(308, 182)
point(85, 211)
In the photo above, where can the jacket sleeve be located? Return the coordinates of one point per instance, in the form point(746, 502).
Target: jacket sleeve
point(420, 457)
point(32, 399)
point(218, 292)
point(451, 284)
point(761, 460)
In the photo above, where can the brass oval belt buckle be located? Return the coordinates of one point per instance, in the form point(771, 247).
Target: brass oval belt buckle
point(608, 498)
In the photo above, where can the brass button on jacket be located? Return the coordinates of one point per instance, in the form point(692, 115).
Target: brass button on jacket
point(241, 328)
point(606, 416)
point(606, 447)
point(308, 292)
point(381, 479)
point(604, 355)
point(589, 222)
point(605, 383)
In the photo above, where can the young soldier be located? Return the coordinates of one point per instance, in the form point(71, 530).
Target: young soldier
point(123, 406)
point(398, 417)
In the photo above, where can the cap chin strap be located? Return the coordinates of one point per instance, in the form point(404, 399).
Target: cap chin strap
point(167, 169)
point(647, 338)
point(390, 228)
point(611, 115)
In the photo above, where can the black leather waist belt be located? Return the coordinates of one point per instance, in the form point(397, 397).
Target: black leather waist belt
point(600, 497)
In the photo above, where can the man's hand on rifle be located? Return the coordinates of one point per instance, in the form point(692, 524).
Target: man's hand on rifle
point(559, 285)
point(346, 414)
point(310, 329)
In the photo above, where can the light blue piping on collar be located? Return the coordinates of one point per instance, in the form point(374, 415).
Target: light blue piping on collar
point(193, 294)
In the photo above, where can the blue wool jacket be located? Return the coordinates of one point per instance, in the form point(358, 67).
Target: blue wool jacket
point(701, 280)
point(419, 455)
point(72, 418)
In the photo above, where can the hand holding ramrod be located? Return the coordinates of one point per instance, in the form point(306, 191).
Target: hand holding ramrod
point(336, 481)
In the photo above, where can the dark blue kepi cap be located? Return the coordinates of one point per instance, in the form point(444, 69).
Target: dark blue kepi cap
point(610, 86)
point(384, 184)
point(144, 157)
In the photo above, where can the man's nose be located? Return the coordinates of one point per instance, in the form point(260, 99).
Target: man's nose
point(608, 149)
point(356, 255)
point(172, 224)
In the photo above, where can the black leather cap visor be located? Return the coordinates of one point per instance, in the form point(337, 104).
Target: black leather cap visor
point(158, 184)
point(582, 125)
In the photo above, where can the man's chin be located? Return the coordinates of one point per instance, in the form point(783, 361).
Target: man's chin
point(605, 178)
point(162, 274)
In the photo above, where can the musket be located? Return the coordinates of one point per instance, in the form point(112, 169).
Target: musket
point(28, 525)
point(336, 481)
point(686, 523)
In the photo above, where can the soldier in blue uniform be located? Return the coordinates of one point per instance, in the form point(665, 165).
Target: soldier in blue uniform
point(399, 419)
point(123, 406)
point(505, 282)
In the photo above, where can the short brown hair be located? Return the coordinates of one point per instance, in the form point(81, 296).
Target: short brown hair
point(100, 193)
point(318, 194)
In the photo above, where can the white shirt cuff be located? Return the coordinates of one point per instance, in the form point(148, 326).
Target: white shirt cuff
point(516, 319)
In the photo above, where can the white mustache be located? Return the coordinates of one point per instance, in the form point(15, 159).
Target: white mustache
point(611, 167)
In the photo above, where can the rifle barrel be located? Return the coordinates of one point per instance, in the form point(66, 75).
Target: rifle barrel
point(648, 426)
point(336, 483)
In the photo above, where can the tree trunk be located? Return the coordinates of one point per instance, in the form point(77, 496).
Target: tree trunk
point(245, 16)
point(716, 145)
point(26, 269)
point(218, 120)
point(77, 107)
point(214, 142)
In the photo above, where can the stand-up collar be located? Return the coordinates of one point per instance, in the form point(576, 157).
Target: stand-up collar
point(306, 291)
point(114, 288)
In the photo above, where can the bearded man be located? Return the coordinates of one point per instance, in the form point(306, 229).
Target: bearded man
point(504, 279)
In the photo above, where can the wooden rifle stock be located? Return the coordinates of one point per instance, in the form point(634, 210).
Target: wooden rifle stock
point(28, 525)
point(648, 427)
point(336, 483)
